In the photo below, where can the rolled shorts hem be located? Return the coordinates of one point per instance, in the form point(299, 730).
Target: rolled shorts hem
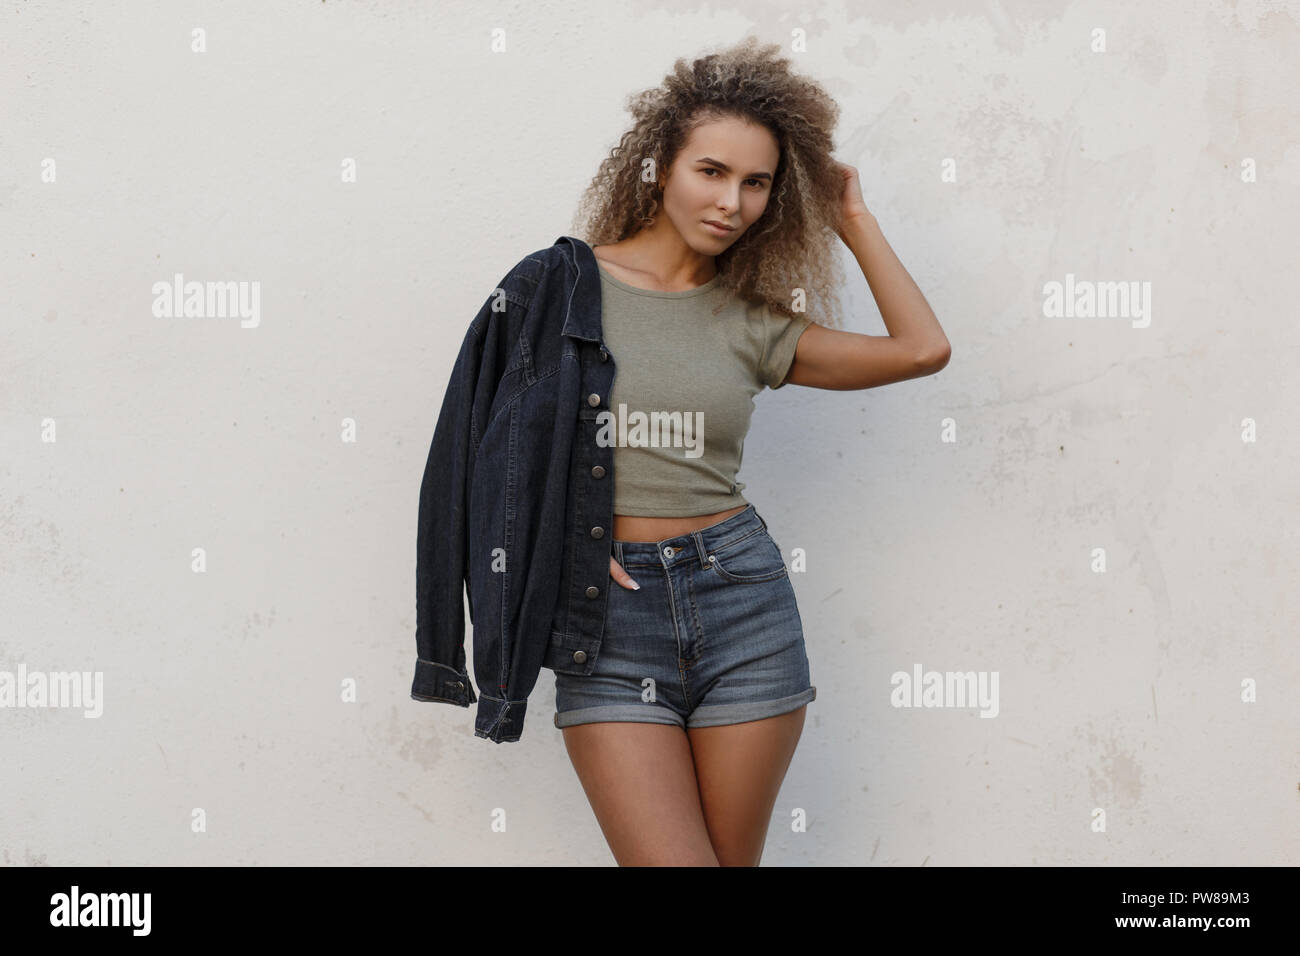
point(621, 713)
point(721, 714)
point(704, 716)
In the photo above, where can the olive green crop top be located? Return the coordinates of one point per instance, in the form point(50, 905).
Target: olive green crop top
point(683, 392)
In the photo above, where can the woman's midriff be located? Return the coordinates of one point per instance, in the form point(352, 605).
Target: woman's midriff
point(640, 528)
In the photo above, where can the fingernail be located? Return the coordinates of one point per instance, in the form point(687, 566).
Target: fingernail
point(635, 586)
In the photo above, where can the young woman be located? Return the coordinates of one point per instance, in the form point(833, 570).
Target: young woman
point(713, 224)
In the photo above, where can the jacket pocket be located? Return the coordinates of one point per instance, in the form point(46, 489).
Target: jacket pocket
point(750, 560)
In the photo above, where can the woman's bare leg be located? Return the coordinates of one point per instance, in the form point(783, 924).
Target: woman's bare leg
point(640, 781)
point(740, 768)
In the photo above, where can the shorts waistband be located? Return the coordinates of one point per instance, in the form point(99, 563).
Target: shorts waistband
point(673, 550)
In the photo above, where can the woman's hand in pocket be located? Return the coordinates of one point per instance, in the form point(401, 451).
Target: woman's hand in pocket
point(622, 577)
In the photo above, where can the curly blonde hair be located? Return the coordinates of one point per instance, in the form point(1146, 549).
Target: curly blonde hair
point(793, 244)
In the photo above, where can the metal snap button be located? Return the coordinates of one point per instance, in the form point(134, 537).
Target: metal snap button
point(579, 657)
point(593, 399)
point(593, 592)
point(598, 532)
point(598, 472)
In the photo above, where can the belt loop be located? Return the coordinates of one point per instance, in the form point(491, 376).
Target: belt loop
point(699, 546)
point(618, 552)
point(760, 518)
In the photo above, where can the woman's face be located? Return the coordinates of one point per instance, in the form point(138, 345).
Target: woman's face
point(723, 173)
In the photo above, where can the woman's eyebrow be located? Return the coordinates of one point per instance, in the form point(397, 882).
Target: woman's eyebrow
point(726, 169)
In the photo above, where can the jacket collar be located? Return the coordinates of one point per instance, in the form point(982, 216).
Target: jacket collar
point(582, 311)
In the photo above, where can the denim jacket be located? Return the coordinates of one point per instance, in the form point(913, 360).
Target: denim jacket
point(517, 499)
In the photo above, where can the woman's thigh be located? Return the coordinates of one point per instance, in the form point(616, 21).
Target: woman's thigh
point(640, 781)
point(739, 769)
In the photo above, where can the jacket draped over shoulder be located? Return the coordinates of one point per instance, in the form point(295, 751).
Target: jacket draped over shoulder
point(517, 503)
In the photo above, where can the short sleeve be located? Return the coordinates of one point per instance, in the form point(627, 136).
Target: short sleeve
point(781, 336)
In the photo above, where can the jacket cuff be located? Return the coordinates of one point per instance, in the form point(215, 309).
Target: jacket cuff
point(434, 681)
point(500, 720)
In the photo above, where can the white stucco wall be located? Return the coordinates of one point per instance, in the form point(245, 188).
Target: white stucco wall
point(1172, 158)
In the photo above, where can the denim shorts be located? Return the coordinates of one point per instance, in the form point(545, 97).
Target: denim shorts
point(712, 637)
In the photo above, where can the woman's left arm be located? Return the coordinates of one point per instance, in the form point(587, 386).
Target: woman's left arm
point(915, 346)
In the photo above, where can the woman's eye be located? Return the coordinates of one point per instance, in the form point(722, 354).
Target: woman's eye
point(710, 169)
